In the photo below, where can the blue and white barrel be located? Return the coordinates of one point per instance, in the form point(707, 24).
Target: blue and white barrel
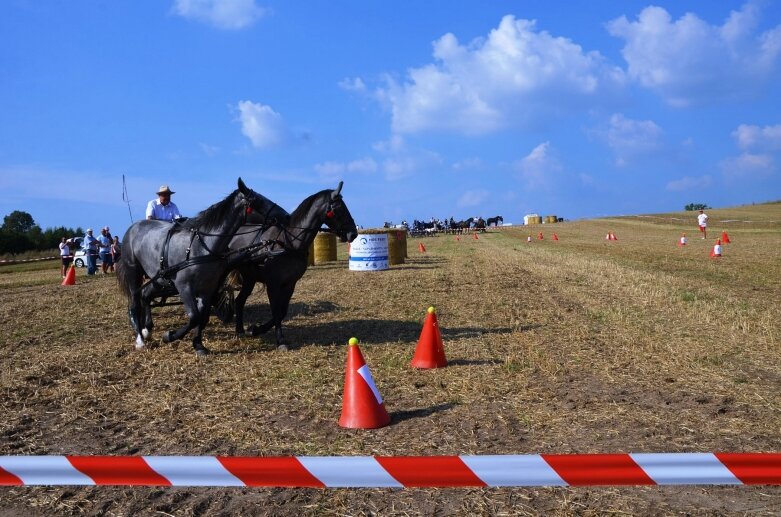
point(369, 252)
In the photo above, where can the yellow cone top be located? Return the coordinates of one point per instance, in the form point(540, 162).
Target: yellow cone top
point(353, 341)
point(431, 310)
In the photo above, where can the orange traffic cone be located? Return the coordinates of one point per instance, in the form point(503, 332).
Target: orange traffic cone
point(430, 352)
point(612, 236)
point(458, 238)
point(474, 236)
point(421, 247)
point(725, 238)
point(362, 406)
point(555, 237)
point(682, 241)
point(716, 251)
point(70, 276)
point(539, 236)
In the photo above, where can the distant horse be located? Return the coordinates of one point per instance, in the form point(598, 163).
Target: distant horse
point(494, 220)
point(190, 257)
point(463, 226)
point(284, 259)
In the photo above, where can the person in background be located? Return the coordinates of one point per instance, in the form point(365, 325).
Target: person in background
point(91, 248)
point(163, 208)
point(65, 255)
point(105, 251)
point(116, 251)
point(702, 221)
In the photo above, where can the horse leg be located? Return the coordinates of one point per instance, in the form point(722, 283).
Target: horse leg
point(204, 308)
point(279, 311)
point(246, 289)
point(192, 309)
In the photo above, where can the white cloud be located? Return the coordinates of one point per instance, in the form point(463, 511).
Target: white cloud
point(688, 183)
point(748, 166)
point(354, 84)
point(755, 137)
point(261, 124)
point(514, 75)
point(688, 60)
point(331, 170)
point(223, 14)
point(539, 167)
point(402, 160)
point(209, 150)
point(467, 164)
point(629, 138)
point(472, 198)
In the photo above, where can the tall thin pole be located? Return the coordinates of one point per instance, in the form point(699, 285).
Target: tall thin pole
point(126, 198)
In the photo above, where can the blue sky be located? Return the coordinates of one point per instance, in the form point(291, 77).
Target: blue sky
point(424, 109)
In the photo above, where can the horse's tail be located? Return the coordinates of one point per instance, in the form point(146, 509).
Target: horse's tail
point(129, 275)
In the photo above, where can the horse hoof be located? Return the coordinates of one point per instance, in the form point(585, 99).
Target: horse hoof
point(140, 345)
point(282, 348)
point(146, 333)
point(168, 337)
point(254, 331)
point(201, 352)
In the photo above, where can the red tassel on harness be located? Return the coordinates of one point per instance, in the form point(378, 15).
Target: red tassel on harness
point(329, 213)
point(248, 211)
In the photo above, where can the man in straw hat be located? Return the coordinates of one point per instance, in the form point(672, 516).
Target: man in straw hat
point(163, 208)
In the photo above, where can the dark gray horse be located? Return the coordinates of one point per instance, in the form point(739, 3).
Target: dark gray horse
point(189, 258)
point(494, 220)
point(283, 261)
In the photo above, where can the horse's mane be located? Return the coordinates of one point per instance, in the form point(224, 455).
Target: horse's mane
point(304, 208)
point(212, 217)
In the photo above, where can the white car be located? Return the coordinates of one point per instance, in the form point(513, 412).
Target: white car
point(80, 258)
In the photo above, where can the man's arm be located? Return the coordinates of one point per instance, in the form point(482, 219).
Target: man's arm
point(150, 210)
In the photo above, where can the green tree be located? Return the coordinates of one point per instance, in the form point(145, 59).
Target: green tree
point(18, 222)
point(696, 206)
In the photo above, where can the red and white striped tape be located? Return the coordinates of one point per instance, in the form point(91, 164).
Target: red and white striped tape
point(397, 471)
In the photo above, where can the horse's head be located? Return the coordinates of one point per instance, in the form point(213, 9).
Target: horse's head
point(261, 209)
point(338, 217)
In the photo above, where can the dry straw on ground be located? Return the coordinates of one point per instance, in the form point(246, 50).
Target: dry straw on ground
point(580, 345)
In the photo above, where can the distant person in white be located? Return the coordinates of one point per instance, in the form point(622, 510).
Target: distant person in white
point(163, 208)
point(702, 221)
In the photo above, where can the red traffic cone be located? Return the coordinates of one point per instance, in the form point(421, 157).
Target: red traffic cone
point(362, 405)
point(430, 352)
point(613, 236)
point(474, 236)
point(716, 251)
point(682, 241)
point(539, 236)
point(70, 276)
point(555, 237)
point(458, 238)
point(725, 238)
point(421, 247)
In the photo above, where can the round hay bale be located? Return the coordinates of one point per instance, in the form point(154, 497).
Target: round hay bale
point(551, 219)
point(325, 247)
point(397, 246)
point(310, 258)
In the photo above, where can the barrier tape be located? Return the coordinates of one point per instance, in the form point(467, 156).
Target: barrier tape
point(397, 471)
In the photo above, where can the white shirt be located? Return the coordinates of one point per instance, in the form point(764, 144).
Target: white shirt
point(64, 250)
point(157, 210)
point(702, 219)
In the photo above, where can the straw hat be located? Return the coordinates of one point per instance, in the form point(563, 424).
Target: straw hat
point(164, 190)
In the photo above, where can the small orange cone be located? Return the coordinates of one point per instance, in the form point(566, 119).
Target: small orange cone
point(421, 247)
point(682, 241)
point(458, 238)
point(607, 237)
point(430, 352)
point(555, 237)
point(474, 236)
point(539, 236)
point(70, 276)
point(716, 251)
point(612, 236)
point(362, 405)
point(725, 238)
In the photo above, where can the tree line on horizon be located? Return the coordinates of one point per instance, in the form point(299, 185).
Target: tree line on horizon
point(19, 233)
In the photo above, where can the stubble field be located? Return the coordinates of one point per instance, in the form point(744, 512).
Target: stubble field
point(574, 346)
